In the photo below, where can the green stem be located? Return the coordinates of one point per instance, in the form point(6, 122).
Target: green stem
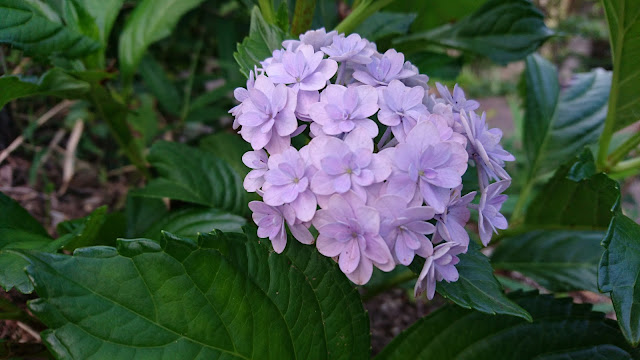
point(360, 13)
point(610, 122)
point(398, 279)
point(626, 166)
point(622, 151)
point(302, 16)
point(266, 7)
point(522, 201)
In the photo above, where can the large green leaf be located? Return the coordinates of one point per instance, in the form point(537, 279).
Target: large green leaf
point(151, 21)
point(558, 260)
point(104, 13)
point(476, 287)
point(222, 297)
point(383, 24)
point(434, 13)
point(158, 83)
point(228, 147)
point(192, 175)
point(559, 246)
point(18, 230)
point(560, 330)
point(192, 221)
point(262, 40)
point(558, 125)
point(54, 82)
point(37, 30)
point(618, 273)
point(97, 228)
point(623, 17)
point(503, 30)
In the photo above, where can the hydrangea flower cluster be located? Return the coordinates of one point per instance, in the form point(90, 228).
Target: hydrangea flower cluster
point(381, 178)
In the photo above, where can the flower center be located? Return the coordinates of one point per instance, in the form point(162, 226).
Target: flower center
point(296, 180)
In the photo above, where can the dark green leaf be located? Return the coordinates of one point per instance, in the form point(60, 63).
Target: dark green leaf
point(560, 330)
point(503, 30)
point(54, 82)
point(559, 247)
point(18, 230)
point(558, 125)
point(558, 260)
point(623, 17)
point(192, 221)
point(144, 120)
point(262, 40)
point(192, 175)
point(151, 21)
point(383, 24)
point(476, 287)
point(160, 86)
point(98, 228)
point(437, 65)
point(182, 299)
point(228, 147)
point(37, 30)
point(618, 273)
point(434, 13)
point(141, 213)
point(104, 13)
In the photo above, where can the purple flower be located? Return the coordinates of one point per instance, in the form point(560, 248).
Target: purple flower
point(287, 182)
point(400, 107)
point(241, 94)
point(305, 100)
point(267, 116)
point(316, 38)
point(417, 79)
point(352, 48)
point(343, 109)
point(426, 166)
point(484, 147)
point(458, 101)
point(350, 230)
point(404, 228)
point(271, 220)
point(489, 216)
point(257, 161)
point(451, 222)
point(438, 266)
point(306, 69)
point(381, 71)
point(346, 165)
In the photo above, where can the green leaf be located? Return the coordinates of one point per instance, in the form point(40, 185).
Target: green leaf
point(560, 261)
point(262, 40)
point(558, 245)
point(222, 297)
point(623, 17)
point(437, 65)
point(141, 213)
point(503, 30)
point(104, 13)
point(151, 21)
point(98, 228)
point(560, 330)
point(37, 30)
point(558, 125)
point(434, 13)
point(192, 175)
point(18, 230)
point(192, 221)
point(476, 287)
point(157, 82)
point(383, 24)
point(54, 82)
point(618, 273)
point(228, 147)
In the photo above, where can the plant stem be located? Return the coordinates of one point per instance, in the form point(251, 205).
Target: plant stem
point(398, 279)
point(266, 7)
point(522, 200)
point(622, 151)
point(188, 88)
point(627, 165)
point(302, 16)
point(360, 13)
point(610, 122)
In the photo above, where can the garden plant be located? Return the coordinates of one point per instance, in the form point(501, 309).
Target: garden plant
point(285, 161)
